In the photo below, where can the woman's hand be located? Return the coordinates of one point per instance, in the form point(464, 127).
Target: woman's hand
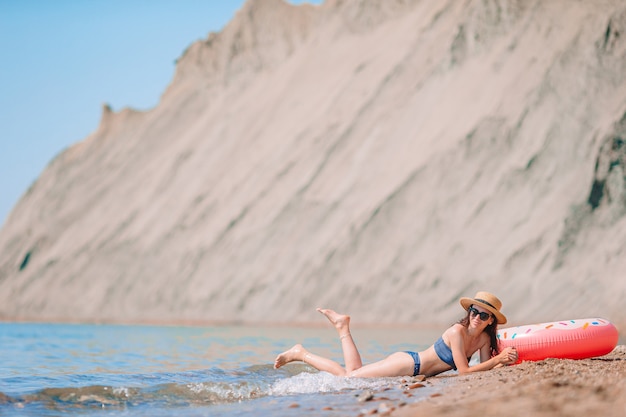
point(508, 356)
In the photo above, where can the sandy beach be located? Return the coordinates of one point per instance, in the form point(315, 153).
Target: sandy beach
point(553, 387)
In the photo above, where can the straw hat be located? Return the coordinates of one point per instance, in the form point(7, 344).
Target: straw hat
point(487, 301)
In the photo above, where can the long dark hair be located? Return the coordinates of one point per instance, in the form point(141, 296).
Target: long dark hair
point(491, 330)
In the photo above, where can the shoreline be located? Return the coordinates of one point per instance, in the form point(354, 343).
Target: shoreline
point(552, 387)
point(548, 388)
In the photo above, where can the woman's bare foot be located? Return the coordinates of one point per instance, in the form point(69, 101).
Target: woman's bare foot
point(296, 353)
point(340, 321)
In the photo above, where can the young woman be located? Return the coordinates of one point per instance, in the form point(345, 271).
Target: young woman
point(475, 332)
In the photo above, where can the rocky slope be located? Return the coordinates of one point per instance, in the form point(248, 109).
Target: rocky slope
point(381, 157)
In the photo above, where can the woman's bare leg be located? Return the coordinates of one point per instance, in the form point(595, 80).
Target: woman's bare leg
point(299, 353)
point(397, 364)
point(351, 355)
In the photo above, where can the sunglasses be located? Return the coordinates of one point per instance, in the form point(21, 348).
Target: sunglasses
point(483, 316)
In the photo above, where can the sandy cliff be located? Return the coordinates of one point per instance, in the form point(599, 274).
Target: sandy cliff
point(379, 157)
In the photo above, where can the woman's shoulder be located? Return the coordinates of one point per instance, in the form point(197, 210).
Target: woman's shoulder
point(455, 330)
point(456, 327)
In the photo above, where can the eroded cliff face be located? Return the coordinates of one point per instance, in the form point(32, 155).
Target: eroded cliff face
point(377, 157)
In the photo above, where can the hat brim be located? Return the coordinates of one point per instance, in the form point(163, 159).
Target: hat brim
point(467, 302)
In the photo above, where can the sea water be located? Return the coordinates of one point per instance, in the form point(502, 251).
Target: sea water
point(119, 370)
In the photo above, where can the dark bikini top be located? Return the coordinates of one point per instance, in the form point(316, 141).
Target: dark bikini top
point(445, 353)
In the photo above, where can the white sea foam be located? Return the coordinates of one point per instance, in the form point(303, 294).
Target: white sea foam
point(310, 383)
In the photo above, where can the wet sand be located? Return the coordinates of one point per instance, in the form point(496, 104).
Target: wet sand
point(554, 387)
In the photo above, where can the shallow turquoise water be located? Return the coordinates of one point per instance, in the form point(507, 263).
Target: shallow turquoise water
point(56, 369)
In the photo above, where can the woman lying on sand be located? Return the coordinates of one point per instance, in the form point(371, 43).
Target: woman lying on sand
point(453, 350)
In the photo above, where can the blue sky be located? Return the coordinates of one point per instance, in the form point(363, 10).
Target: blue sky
point(62, 59)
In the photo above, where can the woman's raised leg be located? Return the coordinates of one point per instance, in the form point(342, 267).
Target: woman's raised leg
point(351, 355)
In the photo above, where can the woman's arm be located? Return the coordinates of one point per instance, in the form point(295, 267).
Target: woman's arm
point(507, 356)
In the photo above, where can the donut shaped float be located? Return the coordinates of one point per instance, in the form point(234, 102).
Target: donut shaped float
point(567, 339)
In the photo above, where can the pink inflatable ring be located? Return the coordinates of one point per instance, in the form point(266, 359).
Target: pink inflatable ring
point(568, 339)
